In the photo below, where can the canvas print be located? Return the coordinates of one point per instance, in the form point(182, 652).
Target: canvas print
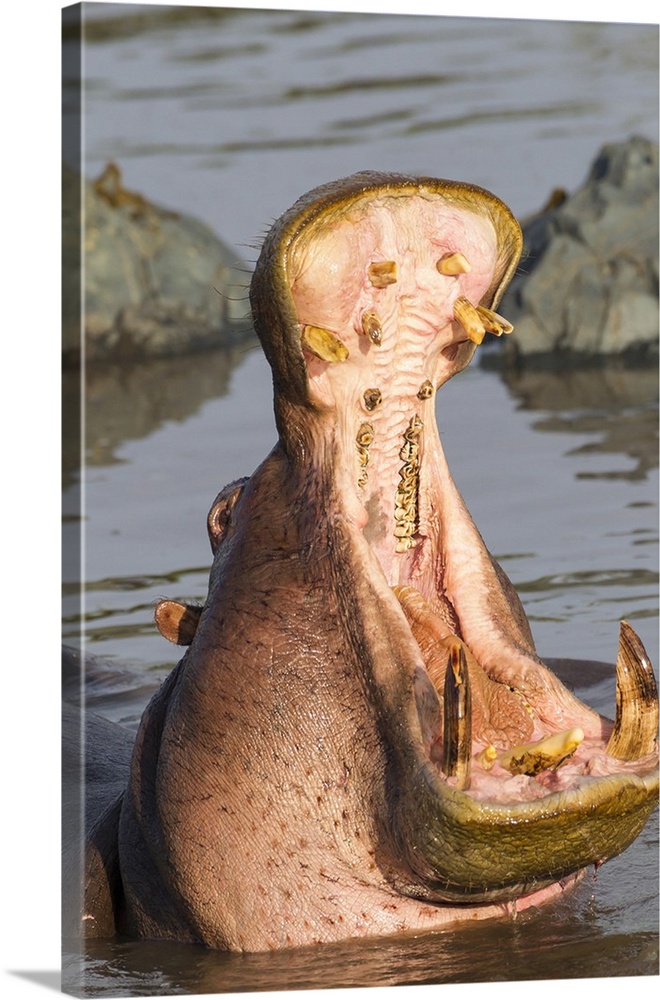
point(360, 474)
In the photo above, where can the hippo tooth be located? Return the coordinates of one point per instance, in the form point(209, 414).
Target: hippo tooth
point(487, 757)
point(466, 314)
point(371, 327)
point(324, 344)
point(636, 726)
point(453, 263)
point(405, 543)
point(372, 398)
point(493, 322)
point(532, 758)
point(382, 273)
point(365, 435)
point(457, 731)
point(404, 530)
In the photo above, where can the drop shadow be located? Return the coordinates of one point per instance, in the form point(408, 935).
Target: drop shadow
point(49, 979)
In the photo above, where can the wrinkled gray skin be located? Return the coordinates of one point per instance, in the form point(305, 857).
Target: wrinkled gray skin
point(283, 789)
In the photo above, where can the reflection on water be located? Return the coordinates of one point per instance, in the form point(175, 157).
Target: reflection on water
point(618, 404)
point(230, 115)
point(125, 402)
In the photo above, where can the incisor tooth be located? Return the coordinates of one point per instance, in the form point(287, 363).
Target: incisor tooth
point(532, 758)
point(453, 263)
point(466, 314)
point(636, 727)
point(323, 344)
point(493, 322)
point(382, 273)
point(457, 722)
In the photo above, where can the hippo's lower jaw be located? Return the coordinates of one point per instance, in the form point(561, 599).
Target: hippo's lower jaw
point(518, 784)
point(361, 729)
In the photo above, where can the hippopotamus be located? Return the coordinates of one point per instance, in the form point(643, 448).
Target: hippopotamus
point(360, 738)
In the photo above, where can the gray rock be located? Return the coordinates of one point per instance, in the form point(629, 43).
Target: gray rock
point(156, 283)
point(588, 282)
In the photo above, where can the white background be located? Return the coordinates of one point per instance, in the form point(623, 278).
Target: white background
point(29, 900)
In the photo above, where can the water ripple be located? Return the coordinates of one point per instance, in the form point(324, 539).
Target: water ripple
point(597, 578)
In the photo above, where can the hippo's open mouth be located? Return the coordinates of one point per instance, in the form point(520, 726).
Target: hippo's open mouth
point(393, 284)
point(361, 728)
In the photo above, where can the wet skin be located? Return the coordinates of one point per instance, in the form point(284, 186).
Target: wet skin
point(360, 738)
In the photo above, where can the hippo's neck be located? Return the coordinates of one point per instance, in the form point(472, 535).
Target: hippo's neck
point(287, 752)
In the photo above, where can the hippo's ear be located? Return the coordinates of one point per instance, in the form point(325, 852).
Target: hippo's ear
point(219, 519)
point(177, 622)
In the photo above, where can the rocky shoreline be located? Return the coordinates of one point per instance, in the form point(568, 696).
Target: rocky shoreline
point(153, 283)
point(587, 285)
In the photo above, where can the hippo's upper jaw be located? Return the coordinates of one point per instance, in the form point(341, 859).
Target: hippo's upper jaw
point(361, 721)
